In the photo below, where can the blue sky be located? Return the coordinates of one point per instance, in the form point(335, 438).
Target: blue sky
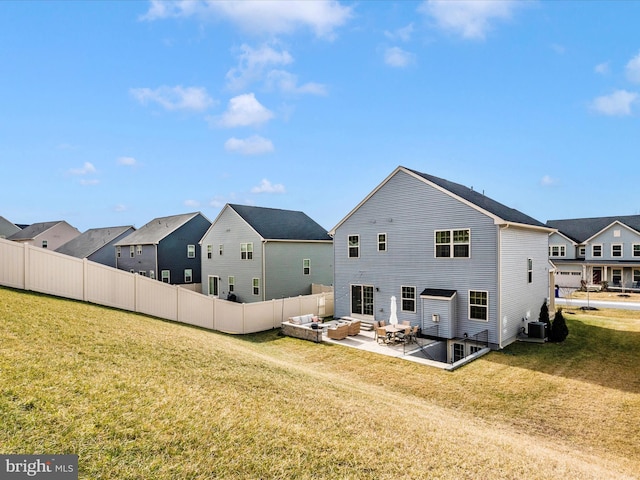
point(114, 113)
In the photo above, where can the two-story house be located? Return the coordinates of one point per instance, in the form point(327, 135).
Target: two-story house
point(590, 251)
point(460, 264)
point(165, 249)
point(96, 244)
point(7, 228)
point(252, 254)
point(49, 235)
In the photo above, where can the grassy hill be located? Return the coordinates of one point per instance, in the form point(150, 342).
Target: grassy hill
point(137, 397)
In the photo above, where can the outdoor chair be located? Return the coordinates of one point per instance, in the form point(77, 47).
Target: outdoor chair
point(413, 334)
point(338, 333)
point(376, 324)
point(381, 334)
point(354, 327)
point(382, 324)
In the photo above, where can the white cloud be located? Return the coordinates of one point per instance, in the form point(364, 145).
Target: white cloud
point(287, 82)
point(192, 203)
point(267, 187)
point(633, 69)
point(175, 98)
point(120, 208)
point(217, 202)
point(602, 68)
point(254, 145)
point(127, 161)
point(253, 62)
point(323, 17)
point(471, 19)
point(403, 33)
point(397, 57)
point(547, 181)
point(619, 103)
point(86, 169)
point(244, 110)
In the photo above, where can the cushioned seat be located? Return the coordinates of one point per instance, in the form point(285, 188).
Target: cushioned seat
point(354, 327)
point(338, 333)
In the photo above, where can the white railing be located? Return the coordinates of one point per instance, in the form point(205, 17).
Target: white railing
point(32, 268)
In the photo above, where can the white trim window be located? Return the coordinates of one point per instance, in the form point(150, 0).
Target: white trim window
point(452, 243)
point(596, 250)
point(209, 252)
point(636, 276)
point(45, 244)
point(557, 250)
point(616, 276)
point(382, 242)
point(408, 299)
point(132, 251)
point(636, 249)
point(188, 275)
point(138, 249)
point(306, 266)
point(582, 251)
point(165, 276)
point(191, 251)
point(220, 249)
point(246, 251)
point(354, 246)
point(479, 305)
point(529, 270)
point(616, 250)
point(255, 283)
point(118, 252)
point(232, 283)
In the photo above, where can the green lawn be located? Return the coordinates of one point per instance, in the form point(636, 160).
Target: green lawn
point(139, 398)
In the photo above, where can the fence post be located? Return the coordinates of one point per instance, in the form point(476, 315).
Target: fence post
point(26, 257)
point(85, 280)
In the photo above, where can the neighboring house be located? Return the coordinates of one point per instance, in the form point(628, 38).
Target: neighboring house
point(257, 253)
point(596, 250)
point(166, 249)
point(96, 244)
point(49, 235)
point(461, 265)
point(7, 228)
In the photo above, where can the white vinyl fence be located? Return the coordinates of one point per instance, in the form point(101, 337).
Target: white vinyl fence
point(32, 268)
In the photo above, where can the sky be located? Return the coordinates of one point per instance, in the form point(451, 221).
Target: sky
point(115, 113)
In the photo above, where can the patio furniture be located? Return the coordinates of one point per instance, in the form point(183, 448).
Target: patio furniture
point(354, 327)
point(413, 334)
point(382, 335)
point(340, 332)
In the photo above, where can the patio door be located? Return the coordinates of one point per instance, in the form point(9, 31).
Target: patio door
point(362, 300)
point(214, 285)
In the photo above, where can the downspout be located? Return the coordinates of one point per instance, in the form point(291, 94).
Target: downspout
point(264, 273)
point(499, 289)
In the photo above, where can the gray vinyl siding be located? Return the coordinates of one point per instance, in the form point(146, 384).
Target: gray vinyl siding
point(145, 262)
point(627, 238)
point(519, 298)
point(409, 212)
point(283, 267)
point(446, 309)
point(229, 230)
point(569, 247)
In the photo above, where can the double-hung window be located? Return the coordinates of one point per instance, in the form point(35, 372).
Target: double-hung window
point(246, 251)
point(596, 250)
point(191, 251)
point(382, 242)
point(478, 305)
point(529, 270)
point(557, 250)
point(616, 250)
point(306, 266)
point(256, 286)
point(452, 243)
point(354, 246)
point(209, 251)
point(132, 251)
point(636, 250)
point(188, 275)
point(408, 299)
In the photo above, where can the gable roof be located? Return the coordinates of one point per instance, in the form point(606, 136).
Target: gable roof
point(499, 212)
point(581, 229)
point(276, 224)
point(153, 232)
point(92, 240)
point(7, 228)
point(32, 231)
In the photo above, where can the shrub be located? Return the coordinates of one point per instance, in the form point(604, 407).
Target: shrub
point(544, 317)
point(559, 329)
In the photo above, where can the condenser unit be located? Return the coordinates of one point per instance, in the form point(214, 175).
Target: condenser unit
point(536, 330)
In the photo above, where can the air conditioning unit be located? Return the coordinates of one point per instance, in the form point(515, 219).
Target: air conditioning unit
point(536, 330)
